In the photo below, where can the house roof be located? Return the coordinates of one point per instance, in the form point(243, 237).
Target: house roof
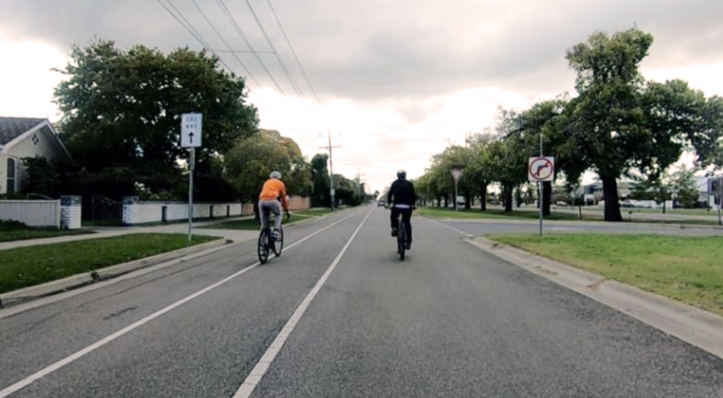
point(13, 127)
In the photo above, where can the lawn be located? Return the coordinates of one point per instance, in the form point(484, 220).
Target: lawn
point(28, 266)
point(687, 269)
point(532, 213)
point(10, 231)
point(498, 214)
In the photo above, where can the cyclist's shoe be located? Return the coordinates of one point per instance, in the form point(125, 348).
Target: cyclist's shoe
point(275, 234)
point(394, 232)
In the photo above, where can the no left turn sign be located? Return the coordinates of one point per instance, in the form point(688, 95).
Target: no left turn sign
point(541, 169)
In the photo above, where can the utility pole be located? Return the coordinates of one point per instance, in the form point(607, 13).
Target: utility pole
point(331, 172)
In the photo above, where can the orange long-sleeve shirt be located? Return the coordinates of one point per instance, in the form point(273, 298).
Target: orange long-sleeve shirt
point(274, 189)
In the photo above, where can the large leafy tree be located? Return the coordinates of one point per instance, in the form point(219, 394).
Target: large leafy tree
point(320, 176)
point(250, 161)
point(121, 116)
point(606, 118)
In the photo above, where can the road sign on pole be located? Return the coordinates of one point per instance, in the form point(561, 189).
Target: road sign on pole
point(541, 168)
point(191, 126)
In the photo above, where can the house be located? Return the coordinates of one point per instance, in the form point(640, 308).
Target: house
point(22, 137)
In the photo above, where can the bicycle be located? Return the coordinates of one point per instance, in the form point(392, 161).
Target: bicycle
point(402, 239)
point(269, 243)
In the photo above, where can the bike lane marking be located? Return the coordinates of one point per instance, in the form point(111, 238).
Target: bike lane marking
point(7, 391)
point(257, 373)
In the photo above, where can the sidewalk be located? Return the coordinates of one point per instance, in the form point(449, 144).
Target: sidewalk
point(235, 235)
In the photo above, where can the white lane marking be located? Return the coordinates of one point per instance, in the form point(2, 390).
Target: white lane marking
point(263, 365)
point(57, 365)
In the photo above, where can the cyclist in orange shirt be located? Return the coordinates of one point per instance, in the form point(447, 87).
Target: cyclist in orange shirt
point(273, 189)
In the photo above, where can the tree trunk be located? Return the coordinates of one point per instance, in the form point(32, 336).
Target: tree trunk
point(612, 202)
point(483, 197)
point(507, 198)
point(546, 197)
point(467, 200)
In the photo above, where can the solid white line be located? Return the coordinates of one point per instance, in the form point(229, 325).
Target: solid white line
point(263, 365)
point(57, 365)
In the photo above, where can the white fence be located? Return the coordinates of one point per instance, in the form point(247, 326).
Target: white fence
point(135, 212)
point(33, 213)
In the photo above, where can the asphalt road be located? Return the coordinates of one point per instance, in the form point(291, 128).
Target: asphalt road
point(337, 315)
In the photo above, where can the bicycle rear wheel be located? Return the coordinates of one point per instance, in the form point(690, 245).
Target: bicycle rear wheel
point(278, 243)
point(263, 247)
point(401, 239)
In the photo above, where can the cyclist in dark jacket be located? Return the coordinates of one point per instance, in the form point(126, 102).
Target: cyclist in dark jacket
point(402, 199)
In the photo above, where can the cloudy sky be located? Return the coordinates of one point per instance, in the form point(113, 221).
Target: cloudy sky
point(392, 82)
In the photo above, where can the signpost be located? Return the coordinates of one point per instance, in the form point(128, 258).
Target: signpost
point(191, 127)
point(456, 173)
point(540, 169)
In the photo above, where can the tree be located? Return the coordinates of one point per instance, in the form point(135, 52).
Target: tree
point(251, 160)
point(480, 171)
point(605, 121)
point(122, 109)
point(320, 175)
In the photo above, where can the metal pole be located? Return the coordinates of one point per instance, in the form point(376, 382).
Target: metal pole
point(192, 160)
point(539, 194)
point(331, 176)
point(455, 195)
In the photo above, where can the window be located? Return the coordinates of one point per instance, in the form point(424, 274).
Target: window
point(11, 176)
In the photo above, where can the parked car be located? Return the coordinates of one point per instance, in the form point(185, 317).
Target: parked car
point(381, 203)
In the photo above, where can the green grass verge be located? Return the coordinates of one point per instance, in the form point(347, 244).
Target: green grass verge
point(498, 214)
point(10, 230)
point(687, 269)
point(528, 214)
point(29, 266)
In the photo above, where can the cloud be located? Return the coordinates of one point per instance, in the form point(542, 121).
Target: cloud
point(399, 80)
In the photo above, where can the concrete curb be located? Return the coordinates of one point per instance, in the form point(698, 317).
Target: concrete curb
point(33, 292)
point(692, 325)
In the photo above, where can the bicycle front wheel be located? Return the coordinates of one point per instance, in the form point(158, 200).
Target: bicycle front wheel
point(278, 243)
point(263, 247)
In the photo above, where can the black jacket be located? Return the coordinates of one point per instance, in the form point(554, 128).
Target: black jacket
point(402, 191)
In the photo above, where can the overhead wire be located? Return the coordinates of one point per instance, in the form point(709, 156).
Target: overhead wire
point(225, 43)
point(181, 19)
point(231, 19)
point(281, 62)
point(288, 42)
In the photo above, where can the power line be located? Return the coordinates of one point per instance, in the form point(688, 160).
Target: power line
point(181, 19)
point(224, 42)
point(293, 52)
point(284, 68)
point(246, 41)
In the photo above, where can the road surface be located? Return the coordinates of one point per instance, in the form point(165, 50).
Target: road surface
point(338, 315)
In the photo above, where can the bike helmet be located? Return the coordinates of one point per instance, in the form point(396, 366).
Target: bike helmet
point(401, 174)
point(275, 174)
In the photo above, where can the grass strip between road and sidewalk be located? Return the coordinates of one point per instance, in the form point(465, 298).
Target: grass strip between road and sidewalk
point(33, 265)
point(531, 213)
point(10, 231)
point(687, 269)
point(442, 212)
